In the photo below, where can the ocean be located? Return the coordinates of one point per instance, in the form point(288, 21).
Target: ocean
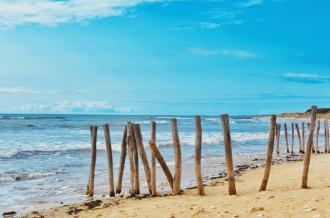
point(44, 159)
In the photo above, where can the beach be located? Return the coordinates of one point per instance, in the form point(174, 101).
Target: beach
point(283, 198)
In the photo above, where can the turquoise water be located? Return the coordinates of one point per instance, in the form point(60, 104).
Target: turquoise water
point(44, 159)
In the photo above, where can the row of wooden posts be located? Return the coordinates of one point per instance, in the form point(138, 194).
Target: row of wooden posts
point(301, 137)
point(132, 144)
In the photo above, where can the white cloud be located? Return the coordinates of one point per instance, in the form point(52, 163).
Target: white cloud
point(209, 25)
point(302, 75)
point(306, 77)
point(17, 90)
point(240, 54)
point(79, 107)
point(50, 12)
point(249, 3)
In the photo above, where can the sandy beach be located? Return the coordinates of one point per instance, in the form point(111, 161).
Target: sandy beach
point(283, 198)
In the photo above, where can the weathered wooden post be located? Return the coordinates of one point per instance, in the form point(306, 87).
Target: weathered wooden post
point(162, 163)
point(318, 124)
point(228, 154)
point(90, 186)
point(107, 139)
point(153, 160)
point(299, 139)
point(177, 154)
point(286, 138)
point(307, 156)
point(326, 135)
point(142, 153)
point(123, 153)
point(198, 156)
point(308, 127)
point(136, 164)
point(278, 133)
point(130, 147)
point(292, 136)
point(270, 148)
point(303, 136)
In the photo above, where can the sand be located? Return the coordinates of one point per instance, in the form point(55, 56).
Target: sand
point(283, 197)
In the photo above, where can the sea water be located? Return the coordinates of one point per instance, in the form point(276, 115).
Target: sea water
point(44, 159)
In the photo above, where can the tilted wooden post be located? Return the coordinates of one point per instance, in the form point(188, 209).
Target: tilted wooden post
point(278, 133)
point(142, 153)
point(107, 139)
point(286, 138)
point(228, 154)
point(303, 136)
point(307, 156)
point(318, 124)
point(90, 186)
point(299, 139)
point(162, 163)
point(136, 165)
point(130, 147)
point(270, 148)
point(123, 153)
point(153, 160)
point(198, 156)
point(177, 154)
point(308, 127)
point(292, 137)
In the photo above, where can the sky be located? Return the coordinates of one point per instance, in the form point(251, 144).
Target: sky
point(180, 57)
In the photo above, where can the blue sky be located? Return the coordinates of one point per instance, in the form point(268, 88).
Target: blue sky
point(164, 57)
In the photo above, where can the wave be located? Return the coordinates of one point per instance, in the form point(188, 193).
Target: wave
point(25, 176)
point(31, 117)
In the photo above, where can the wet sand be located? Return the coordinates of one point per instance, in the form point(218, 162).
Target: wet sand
point(283, 198)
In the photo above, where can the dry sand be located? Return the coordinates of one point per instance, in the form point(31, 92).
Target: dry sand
point(283, 198)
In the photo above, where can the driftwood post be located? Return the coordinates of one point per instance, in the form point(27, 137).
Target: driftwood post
point(326, 136)
point(198, 156)
point(299, 139)
point(308, 127)
point(122, 161)
point(177, 154)
point(153, 160)
point(136, 164)
point(130, 147)
point(318, 124)
point(90, 186)
point(307, 157)
point(292, 137)
point(286, 138)
point(162, 163)
point(303, 136)
point(278, 133)
point(228, 153)
point(142, 153)
point(107, 139)
point(270, 148)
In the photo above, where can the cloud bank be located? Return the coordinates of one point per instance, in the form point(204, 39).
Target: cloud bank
point(50, 12)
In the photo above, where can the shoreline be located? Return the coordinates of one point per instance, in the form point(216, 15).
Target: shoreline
point(250, 202)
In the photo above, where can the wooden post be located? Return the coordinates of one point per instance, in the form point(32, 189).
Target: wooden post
point(309, 148)
point(107, 139)
point(130, 147)
point(136, 165)
point(299, 139)
point(326, 136)
point(122, 161)
point(177, 154)
point(270, 148)
point(278, 133)
point(153, 160)
point(90, 186)
point(292, 136)
point(228, 153)
point(286, 138)
point(313, 147)
point(198, 156)
point(162, 162)
point(142, 153)
point(303, 136)
point(318, 124)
